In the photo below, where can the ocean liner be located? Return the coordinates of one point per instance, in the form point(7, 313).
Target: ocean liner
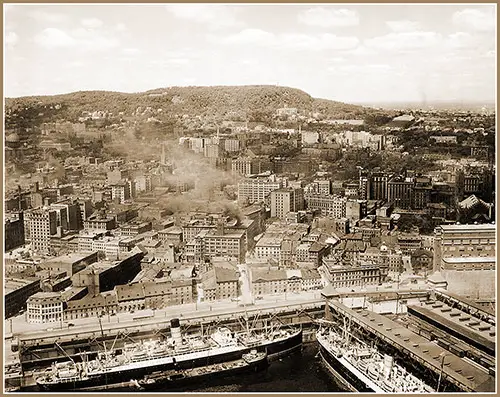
point(361, 368)
point(136, 360)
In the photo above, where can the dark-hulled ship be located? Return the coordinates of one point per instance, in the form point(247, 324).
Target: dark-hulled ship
point(251, 361)
point(136, 360)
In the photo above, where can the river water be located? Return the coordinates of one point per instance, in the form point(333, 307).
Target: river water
point(299, 372)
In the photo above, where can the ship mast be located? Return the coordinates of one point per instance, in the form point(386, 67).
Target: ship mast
point(64, 352)
point(102, 334)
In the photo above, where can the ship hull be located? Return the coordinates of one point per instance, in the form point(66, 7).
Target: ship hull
point(189, 380)
point(342, 373)
point(274, 349)
point(71, 385)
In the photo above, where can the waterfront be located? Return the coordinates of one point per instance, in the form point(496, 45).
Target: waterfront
point(300, 372)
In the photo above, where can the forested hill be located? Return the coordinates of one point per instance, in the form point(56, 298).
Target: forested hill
point(249, 102)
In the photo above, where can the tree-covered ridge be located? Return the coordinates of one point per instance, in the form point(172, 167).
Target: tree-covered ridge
point(255, 103)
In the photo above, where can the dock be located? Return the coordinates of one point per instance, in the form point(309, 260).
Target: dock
point(462, 373)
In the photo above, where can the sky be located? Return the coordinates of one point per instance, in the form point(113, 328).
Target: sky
point(347, 52)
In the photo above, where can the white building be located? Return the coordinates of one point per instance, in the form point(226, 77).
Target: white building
point(44, 307)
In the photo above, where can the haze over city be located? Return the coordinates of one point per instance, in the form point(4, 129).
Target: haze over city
point(346, 52)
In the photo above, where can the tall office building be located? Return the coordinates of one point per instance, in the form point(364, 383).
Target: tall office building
point(284, 201)
point(40, 224)
point(257, 190)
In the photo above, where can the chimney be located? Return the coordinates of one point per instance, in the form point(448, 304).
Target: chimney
point(220, 228)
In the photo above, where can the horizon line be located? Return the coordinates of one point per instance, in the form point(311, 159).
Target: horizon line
point(426, 102)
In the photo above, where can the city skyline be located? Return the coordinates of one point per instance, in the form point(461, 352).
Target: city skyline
point(347, 52)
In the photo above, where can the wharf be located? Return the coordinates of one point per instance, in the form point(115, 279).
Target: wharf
point(460, 372)
point(156, 323)
point(458, 324)
point(466, 305)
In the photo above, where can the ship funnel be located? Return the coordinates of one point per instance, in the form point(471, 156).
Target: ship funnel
point(388, 363)
point(175, 330)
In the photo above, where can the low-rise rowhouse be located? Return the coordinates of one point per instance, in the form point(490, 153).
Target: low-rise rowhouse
point(220, 283)
point(275, 281)
point(91, 306)
point(154, 294)
point(346, 276)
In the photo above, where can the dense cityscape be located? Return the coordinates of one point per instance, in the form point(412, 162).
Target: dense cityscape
point(194, 238)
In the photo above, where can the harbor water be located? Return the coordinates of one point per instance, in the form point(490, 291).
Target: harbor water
point(299, 372)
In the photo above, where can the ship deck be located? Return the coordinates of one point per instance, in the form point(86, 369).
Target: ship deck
point(459, 371)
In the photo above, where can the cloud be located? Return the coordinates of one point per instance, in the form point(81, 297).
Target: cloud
point(11, 39)
point(321, 42)
point(47, 17)
point(288, 41)
point(375, 68)
point(214, 15)
point(248, 37)
point(120, 27)
point(92, 23)
point(461, 40)
point(337, 60)
point(131, 51)
point(476, 20)
point(74, 64)
point(94, 40)
point(360, 50)
point(171, 62)
point(404, 41)
point(51, 38)
point(490, 54)
point(403, 26)
point(329, 17)
point(81, 38)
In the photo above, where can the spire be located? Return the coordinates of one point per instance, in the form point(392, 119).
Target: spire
point(163, 156)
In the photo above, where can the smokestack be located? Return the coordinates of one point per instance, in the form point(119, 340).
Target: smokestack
point(220, 228)
point(175, 330)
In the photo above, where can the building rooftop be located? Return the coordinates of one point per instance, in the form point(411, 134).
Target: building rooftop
point(13, 284)
point(45, 297)
point(454, 367)
point(268, 275)
point(265, 241)
point(69, 258)
point(227, 233)
point(225, 275)
point(470, 259)
point(468, 228)
point(184, 272)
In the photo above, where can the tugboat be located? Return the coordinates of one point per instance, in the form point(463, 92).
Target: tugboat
point(251, 361)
